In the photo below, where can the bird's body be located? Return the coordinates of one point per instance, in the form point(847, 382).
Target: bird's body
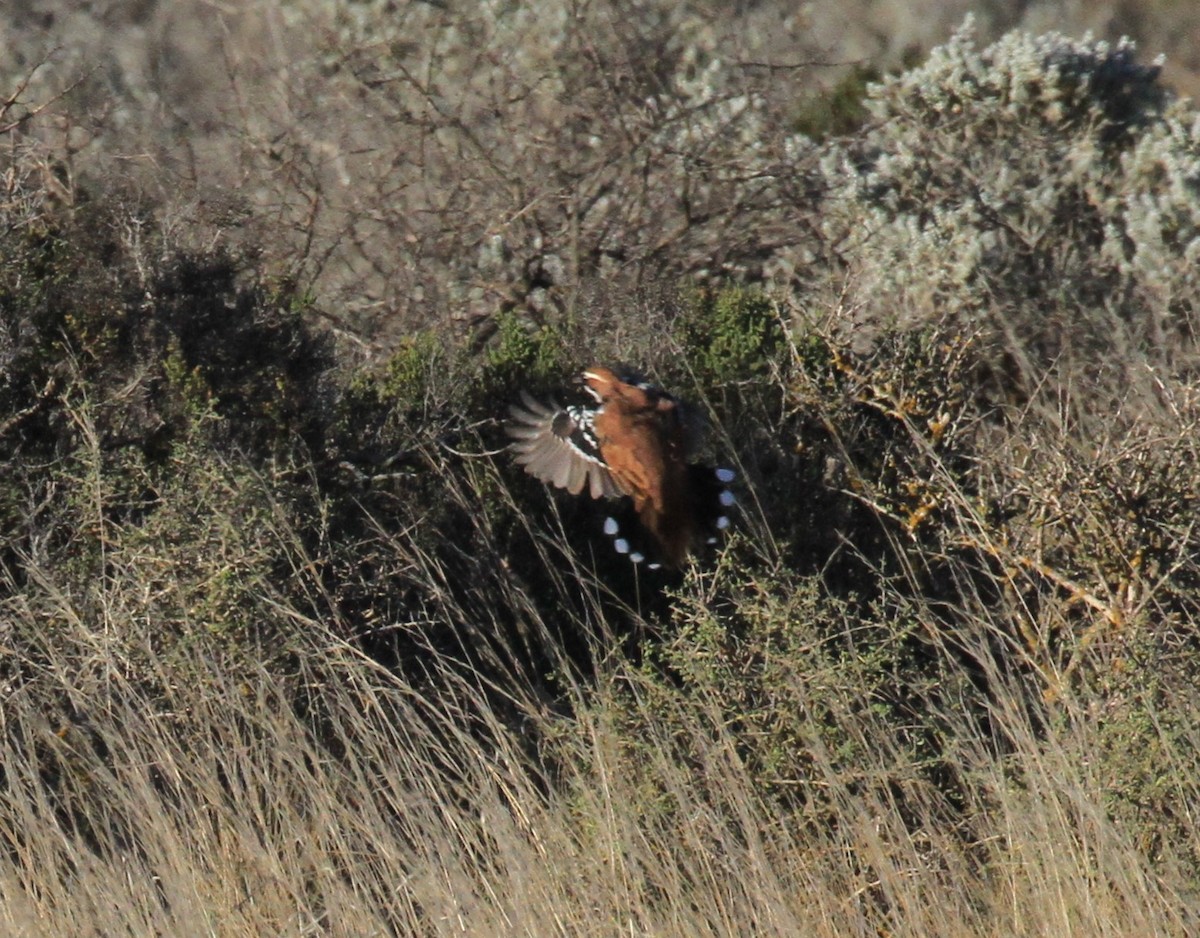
point(635, 442)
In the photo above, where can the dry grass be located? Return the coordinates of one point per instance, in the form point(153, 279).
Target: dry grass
point(185, 789)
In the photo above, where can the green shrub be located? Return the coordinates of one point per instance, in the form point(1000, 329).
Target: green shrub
point(260, 363)
point(522, 356)
point(840, 110)
point(813, 703)
point(730, 336)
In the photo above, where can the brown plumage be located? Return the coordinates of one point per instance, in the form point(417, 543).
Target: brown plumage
point(636, 442)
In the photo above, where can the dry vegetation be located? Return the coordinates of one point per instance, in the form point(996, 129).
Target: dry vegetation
point(290, 647)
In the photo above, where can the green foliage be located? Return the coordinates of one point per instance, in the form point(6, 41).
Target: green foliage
point(77, 311)
point(812, 704)
point(903, 416)
point(411, 369)
point(127, 385)
point(731, 335)
point(775, 657)
point(840, 110)
point(254, 355)
point(62, 310)
point(407, 389)
point(1144, 745)
point(219, 536)
point(522, 356)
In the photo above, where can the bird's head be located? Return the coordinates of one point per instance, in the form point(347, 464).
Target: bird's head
point(600, 381)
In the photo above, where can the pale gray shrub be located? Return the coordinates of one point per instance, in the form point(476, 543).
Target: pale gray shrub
point(1154, 239)
point(1043, 185)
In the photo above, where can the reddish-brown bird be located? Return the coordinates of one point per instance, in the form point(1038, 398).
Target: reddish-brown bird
point(635, 442)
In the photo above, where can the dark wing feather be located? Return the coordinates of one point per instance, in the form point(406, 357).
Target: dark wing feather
point(557, 445)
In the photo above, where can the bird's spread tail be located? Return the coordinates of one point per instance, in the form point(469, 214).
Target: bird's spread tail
point(643, 540)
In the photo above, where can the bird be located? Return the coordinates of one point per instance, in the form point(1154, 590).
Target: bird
point(635, 441)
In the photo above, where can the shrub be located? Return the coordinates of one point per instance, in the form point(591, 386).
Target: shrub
point(839, 111)
point(730, 336)
point(1041, 188)
point(521, 356)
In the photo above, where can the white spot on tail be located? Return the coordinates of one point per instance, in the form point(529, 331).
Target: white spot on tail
point(726, 475)
point(611, 527)
point(621, 545)
point(727, 498)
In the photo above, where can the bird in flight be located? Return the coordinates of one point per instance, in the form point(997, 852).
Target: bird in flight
point(635, 441)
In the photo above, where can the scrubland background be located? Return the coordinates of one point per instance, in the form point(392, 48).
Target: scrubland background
point(289, 646)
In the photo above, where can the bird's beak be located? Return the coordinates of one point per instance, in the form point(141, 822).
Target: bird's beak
point(586, 378)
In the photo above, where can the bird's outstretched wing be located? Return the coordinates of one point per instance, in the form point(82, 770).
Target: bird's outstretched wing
point(558, 446)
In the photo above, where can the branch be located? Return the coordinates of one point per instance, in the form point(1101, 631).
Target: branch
point(15, 97)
